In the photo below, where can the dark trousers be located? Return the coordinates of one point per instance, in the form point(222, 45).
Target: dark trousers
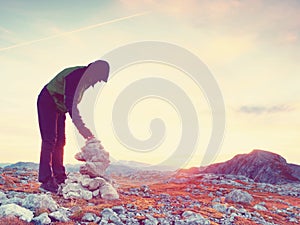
point(52, 129)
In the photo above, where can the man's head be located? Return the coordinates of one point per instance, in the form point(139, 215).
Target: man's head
point(96, 71)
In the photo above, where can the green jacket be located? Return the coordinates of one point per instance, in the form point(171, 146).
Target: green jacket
point(56, 88)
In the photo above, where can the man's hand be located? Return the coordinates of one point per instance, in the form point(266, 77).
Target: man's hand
point(92, 139)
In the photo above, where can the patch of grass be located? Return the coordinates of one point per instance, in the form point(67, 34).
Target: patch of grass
point(11, 220)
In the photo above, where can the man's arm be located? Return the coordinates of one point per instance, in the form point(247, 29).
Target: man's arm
point(72, 81)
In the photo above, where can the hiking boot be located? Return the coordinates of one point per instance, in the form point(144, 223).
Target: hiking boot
point(50, 185)
point(60, 181)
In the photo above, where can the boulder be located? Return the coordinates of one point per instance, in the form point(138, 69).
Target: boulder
point(2, 197)
point(60, 216)
point(108, 192)
point(239, 196)
point(42, 219)
point(94, 169)
point(17, 211)
point(40, 201)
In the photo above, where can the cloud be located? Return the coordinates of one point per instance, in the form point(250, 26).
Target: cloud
point(73, 31)
point(278, 21)
point(4, 30)
point(258, 110)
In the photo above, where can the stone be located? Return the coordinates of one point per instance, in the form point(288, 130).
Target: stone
point(2, 197)
point(220, 208)
point(2, 180)
point(75, 190)
point(108, 192)
point(71, 195)
point(15, 200)
point(93, 169)
point(260, 207)
point(59, 216)
point(96, 158)
point(239, 196)
point(107, 212)
point(86, 194)
point(17, 211)
point(115, 219)
point(85, 181)
point(74, 178)
point(96, 183)
point(42, 219)
point(191, 217)
point(96, 193)
point(118, 209)
point(89, 217)
point(232, 217)
point(72, 187)
point(40, 201)
point(187, 214)
point(93, 152)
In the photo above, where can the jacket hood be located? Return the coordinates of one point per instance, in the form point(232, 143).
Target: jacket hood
point(97, 71)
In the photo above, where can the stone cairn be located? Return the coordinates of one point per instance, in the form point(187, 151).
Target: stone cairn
point(90, 181)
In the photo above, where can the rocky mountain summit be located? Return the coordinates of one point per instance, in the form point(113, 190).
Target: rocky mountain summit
point(259, 165)
point(181, 199)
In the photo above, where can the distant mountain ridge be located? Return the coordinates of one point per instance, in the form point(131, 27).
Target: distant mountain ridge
point(260, 165)
point(122, 167)
point(22, 165)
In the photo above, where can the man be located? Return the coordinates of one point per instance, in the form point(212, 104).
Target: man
point(59, 96)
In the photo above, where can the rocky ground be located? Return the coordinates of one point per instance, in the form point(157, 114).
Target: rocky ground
point(152, 198)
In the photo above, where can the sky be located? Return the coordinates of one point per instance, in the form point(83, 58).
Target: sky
point(251, 48)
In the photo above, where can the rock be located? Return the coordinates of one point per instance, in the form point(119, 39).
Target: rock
point(106, 212)
point(118, 209)
point(15, 200)
point(90, 217)
point(86, 188)
point(108, 192)
point(239, 196)
point(2, 180)
point(260, 165)
point(232, 217)
point(115, 219)
point(293, 220)
point(96, 193)
point(75, 190)
point(260, 207)
point(90, 183)
point(75, 178)
point(220, 208)
point(151, 220)
point(96, 158)
point(93, 169)
point(93, 152)
point(17, 211)
point(193, 218)
point(40, 201)
point(71, 195)
point(42, 219)
point(71, 187)
point(2, 197)
point(59, 216)
point(96, 183)
point(85, 181)
point(86, 194)
point(188, 214)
